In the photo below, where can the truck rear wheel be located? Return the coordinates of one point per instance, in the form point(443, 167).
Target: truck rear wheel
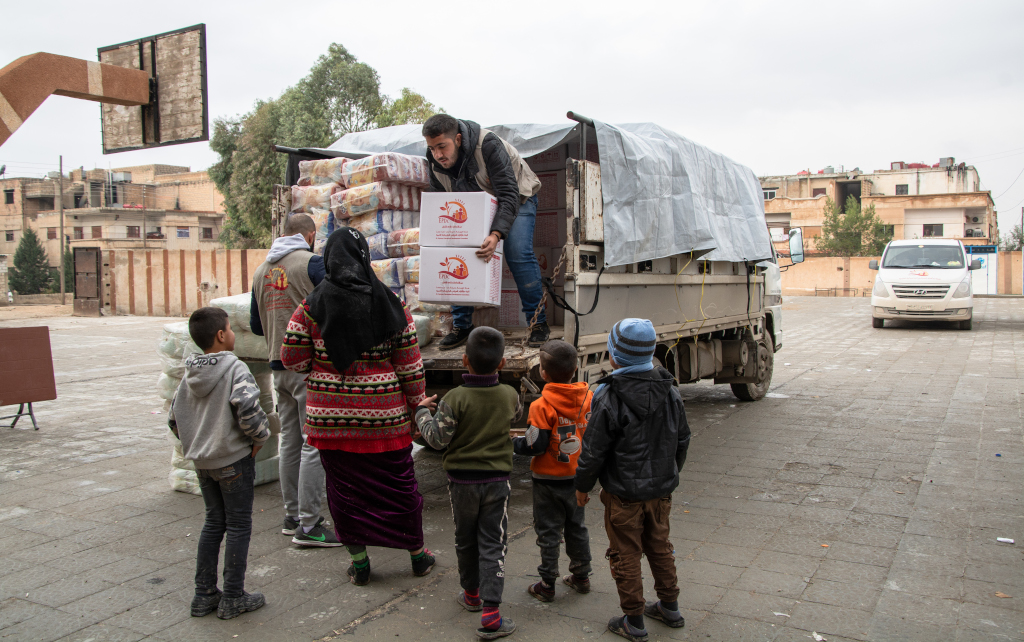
point(765, 365)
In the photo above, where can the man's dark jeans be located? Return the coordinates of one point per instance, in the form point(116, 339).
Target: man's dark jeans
point(228, 494)
point(481, 536)
point(555, 513)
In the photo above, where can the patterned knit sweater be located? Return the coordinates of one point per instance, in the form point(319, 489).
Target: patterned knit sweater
point(367, 408)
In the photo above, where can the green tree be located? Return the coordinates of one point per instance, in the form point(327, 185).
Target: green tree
point(852, 231)
point(410, 107)
point(69, 275)
point(254, 169)
point(1014, 239)
point(338, 96)
point(31, 271)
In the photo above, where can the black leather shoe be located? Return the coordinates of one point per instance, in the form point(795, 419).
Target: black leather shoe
point(232, 607)
point(455, 338)
point(205, 604)
point(540, 335)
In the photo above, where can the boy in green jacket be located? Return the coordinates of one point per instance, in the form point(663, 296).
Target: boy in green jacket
point(473, 422)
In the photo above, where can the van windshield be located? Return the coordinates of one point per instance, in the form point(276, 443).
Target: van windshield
point(924, 256)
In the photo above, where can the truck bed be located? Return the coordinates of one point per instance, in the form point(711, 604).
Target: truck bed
point(518, 356)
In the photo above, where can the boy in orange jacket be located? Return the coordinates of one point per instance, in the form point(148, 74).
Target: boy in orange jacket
point(554, 438)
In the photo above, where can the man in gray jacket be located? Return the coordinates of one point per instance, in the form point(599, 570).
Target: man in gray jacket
point(279, 286)
point(217, 416)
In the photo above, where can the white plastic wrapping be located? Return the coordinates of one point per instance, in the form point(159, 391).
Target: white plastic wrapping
point(321, 172)
point(391, 272)
point(306, 199)
point(402, 243)
point(382, 221)
point(372, 197)
point(238, 307)
point(391, 167)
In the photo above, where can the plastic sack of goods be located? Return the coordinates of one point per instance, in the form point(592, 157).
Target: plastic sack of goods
point(391, 272)
point(412, 269)
point(321, 218)
point(400, 293)
point(237, 306)
point(389, 166)
point(322, 172)
point(378, 246)
point(404, 243)
point(372, 197)
point(412, 299)
point(383, 221)
point(305, 199)
point(424, 329)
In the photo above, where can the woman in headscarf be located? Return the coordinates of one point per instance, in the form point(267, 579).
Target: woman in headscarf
point(358, 344)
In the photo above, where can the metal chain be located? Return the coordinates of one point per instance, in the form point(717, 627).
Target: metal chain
point(543, 300)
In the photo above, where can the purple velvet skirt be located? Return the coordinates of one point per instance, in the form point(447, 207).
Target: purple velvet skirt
point(374, 498)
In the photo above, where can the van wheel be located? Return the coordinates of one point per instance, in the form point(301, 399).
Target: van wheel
point(765, 365)
point(966, 325)
point(877, 323)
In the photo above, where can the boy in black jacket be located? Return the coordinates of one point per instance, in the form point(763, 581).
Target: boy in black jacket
point(636, 444)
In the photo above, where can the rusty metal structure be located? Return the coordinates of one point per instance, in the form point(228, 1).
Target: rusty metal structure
point(153, 90)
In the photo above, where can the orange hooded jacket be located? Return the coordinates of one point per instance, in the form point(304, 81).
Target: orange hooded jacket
point(563, 410)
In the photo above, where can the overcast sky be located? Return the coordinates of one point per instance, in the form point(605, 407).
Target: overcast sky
point(778, 86)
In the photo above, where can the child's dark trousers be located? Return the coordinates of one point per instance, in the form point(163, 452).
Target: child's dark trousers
point(228, 494)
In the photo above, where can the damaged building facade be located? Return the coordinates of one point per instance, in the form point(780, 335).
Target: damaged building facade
point(162, 207)
point(917, 200)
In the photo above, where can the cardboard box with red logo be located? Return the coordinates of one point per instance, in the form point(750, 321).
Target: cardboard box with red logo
point(455, 276)
point(456, 219)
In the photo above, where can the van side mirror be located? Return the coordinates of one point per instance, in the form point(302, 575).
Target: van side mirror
point(975, 264)
point(873, 264)
point(796, 245)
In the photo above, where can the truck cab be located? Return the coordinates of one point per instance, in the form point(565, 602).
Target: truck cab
point(923, 280)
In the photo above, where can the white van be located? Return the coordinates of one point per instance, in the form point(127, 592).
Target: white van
point(923, 280)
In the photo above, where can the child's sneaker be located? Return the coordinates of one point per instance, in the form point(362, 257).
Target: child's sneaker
point(507, 627)
point(359, 576)
point(231, 607)
point(317, 536)
point(289, 526)
point(205, 604)
point(466, 604)
point(660, 613)
point(424, 564)
point(542, 591)
point(620, 626)
point(578, 584)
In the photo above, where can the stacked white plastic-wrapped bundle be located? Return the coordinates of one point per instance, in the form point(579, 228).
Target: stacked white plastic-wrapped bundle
point(176, 346)
point(381, 199)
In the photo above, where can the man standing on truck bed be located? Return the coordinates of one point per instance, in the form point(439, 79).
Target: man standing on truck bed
point(464, 157)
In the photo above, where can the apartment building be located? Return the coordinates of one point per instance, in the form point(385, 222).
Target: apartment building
point(944, 200)
point(143, 207)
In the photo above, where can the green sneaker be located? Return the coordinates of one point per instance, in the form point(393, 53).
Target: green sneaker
point(318, 536)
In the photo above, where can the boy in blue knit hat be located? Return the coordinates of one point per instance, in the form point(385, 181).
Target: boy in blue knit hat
point(638, 470)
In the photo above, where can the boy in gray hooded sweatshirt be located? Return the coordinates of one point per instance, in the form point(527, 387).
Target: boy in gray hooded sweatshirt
point(217, 416)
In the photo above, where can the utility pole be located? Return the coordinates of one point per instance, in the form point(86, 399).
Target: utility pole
point(60, 196)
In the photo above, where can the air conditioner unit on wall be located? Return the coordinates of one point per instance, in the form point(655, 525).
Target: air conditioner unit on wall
point(968, 233)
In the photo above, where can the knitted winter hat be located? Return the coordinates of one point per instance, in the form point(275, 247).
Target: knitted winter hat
point(632, 342)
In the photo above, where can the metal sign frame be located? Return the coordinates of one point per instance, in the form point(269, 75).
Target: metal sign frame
point(151, 112)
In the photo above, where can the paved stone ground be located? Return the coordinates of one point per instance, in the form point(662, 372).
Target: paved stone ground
point(862, 501)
